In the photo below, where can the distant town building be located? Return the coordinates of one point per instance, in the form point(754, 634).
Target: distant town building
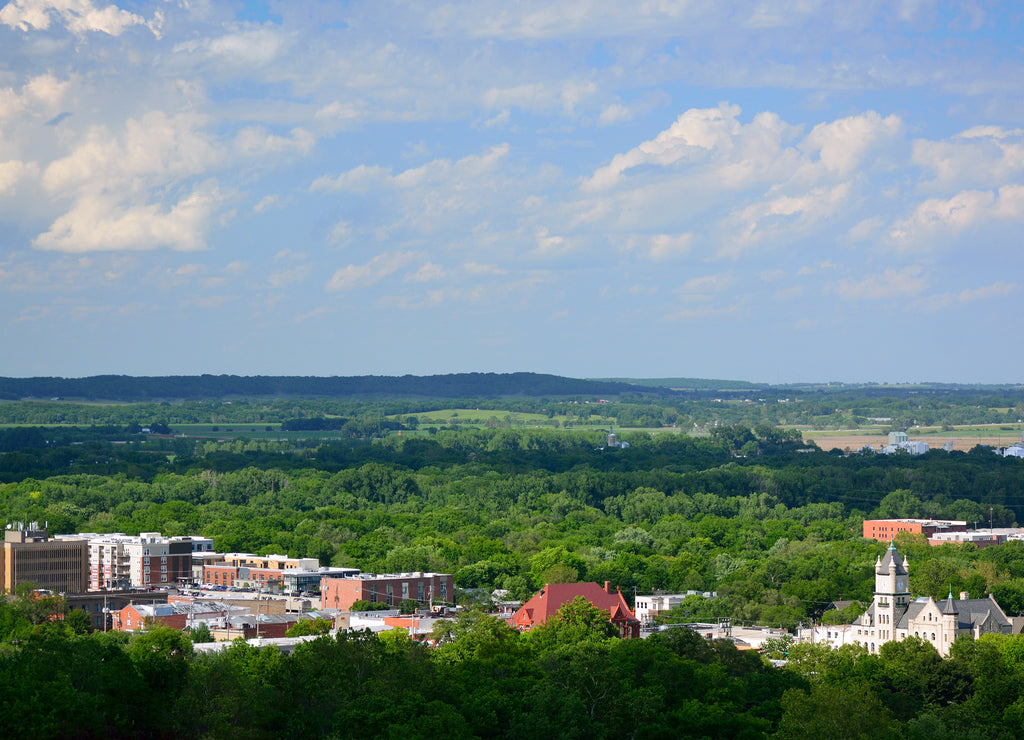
point(29, 555)
point(100, 607)
point(646, 608)
point(884, 530)
point(118, 561)
point(259, 571)
point(391, 589)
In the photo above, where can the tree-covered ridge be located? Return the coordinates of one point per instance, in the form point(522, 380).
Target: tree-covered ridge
point(125, 388)
point(560, 402)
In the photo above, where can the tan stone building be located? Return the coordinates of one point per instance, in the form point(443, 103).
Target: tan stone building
point(30, 556)
point(895, 615)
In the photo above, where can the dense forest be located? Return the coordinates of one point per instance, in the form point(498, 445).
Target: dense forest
point(569, 678)
point(745, 510)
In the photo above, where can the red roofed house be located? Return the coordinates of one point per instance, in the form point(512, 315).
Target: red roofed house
point(553, 596)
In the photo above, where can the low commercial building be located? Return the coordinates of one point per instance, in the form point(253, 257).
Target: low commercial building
point(647, 607)
point(391, 589)
point(100, 607)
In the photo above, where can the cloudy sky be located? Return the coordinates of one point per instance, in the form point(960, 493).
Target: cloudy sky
point(775, 190)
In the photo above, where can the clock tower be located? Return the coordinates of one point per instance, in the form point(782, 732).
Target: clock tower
point(892, 593)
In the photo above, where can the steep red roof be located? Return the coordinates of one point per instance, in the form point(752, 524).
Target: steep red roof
point(546, 603)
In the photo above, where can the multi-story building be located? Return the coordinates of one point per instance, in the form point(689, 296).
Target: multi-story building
point(391, 589)
point(118, 561)
point(31, 556)
point(884, 530)
point(261, 571)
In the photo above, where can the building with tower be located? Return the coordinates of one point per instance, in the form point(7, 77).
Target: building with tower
point(894, 615)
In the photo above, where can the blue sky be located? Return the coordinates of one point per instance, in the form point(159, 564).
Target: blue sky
point(776, 191)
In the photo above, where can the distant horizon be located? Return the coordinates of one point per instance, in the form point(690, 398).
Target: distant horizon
point(617, 379)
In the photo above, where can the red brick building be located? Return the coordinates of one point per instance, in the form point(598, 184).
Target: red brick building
point(546, 603)
point(136, 617)
point(885, 530)
point(391, 589)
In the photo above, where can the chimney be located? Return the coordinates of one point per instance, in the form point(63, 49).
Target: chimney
point(607, 587)
point(964, 596)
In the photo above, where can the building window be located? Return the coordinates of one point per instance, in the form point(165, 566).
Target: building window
point(419, 591)
point(405, 591)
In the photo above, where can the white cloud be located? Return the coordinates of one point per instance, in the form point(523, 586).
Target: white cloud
point(933, 303)
point(890, 284)
point(360, 179)
point(695, 133)
point(283, 278)
point(475, 268)
point(937, 217)
point(266, 203)
point(40, 95)
point(360, 276)
point(843, 144)
point(982, 156)
point(79, 16)
point(255, 141)
point(101, 223)
point(13, 171)
point(706, 283)
point(661, 247)
point(771, 215)
point(153, 149)
point(251, 47)
point(429, 272)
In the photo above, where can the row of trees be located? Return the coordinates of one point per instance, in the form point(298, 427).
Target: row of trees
point(569, 678)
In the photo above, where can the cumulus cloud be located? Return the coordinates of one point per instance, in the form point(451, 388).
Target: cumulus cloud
point(695, 133)
point(100, 223)
point(360, 276)
point(892, 283)
point(967, 209)
point(78, 16)
point(13, 171)
point(842, 145)
point(771, 214)
point(40, 95)
point(249, 47)
point(152, 149)
point(983, 155)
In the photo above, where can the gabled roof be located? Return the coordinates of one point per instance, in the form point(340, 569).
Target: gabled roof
point(546, 603)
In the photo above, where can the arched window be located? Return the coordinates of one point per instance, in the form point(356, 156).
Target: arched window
point(933, 637)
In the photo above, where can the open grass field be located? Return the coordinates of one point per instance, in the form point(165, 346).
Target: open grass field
point(963, 438)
